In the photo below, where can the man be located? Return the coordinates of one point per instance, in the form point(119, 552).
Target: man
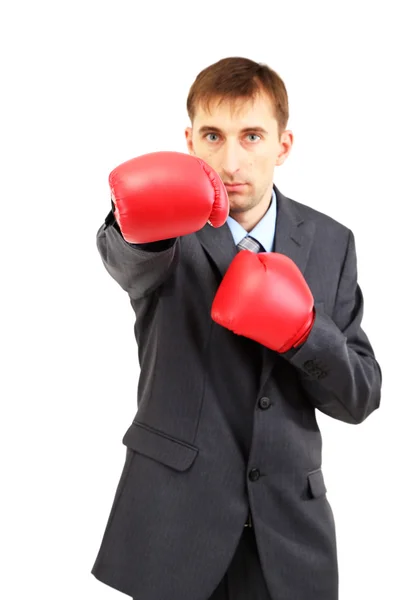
point(245, 324)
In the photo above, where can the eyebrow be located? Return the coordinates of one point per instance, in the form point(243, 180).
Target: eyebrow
point(245, 130)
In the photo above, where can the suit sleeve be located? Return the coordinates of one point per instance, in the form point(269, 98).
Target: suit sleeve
point(138, 268)
point(338, 369)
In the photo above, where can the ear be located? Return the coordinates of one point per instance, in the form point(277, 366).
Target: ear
point(189, 142)
point(286, 146)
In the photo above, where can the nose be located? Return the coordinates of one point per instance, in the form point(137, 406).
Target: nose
point(230, 160)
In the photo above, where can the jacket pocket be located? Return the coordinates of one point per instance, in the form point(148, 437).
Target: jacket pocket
point(316, 483)
point(174, 453)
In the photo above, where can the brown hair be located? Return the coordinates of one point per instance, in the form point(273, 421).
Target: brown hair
point(235, 78)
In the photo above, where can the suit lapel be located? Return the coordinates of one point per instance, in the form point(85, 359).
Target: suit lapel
point(293, 237)
point(293, 234)
point(219, 245)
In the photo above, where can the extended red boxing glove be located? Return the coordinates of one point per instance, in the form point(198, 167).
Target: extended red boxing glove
point(165, 195)
point(265, 297)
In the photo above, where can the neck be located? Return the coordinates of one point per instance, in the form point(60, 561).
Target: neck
point(249, 218)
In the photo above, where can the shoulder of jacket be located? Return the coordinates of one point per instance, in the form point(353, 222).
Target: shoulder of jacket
point(323, 220)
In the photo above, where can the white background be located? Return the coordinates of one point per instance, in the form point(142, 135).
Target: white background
point(87, 85)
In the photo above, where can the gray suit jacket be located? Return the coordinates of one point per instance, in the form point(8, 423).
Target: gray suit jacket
point(224, 424)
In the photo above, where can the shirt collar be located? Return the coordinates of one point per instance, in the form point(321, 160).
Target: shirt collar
point(263, 232)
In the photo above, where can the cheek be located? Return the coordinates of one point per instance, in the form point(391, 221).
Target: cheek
point(211, 160)
point(206, 155)
point(265, 165)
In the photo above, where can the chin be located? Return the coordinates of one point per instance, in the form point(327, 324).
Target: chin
point(239, 207)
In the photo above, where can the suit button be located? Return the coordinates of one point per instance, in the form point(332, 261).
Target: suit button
point(309, 365)
point(315, 369)
point(264, 402)
point(254, 474)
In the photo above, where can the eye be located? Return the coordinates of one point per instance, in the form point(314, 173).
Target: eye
point(254, 135)
point(249, 134)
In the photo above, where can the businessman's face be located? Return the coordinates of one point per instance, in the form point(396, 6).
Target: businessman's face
point(242, 145)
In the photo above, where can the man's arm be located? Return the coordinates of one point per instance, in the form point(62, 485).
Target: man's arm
point(156, 199)
point(339, 371)
point(138, 268)
point(265, 297)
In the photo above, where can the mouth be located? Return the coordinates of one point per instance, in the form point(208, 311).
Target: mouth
point(235, 187)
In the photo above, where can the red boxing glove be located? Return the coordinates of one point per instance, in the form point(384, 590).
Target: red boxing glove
point(265, 297)
point(165, 195)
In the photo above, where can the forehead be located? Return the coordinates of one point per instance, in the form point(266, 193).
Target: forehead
point(236, 114)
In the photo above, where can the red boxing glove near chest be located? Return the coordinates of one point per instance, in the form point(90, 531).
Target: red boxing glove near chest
point(265, 297)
